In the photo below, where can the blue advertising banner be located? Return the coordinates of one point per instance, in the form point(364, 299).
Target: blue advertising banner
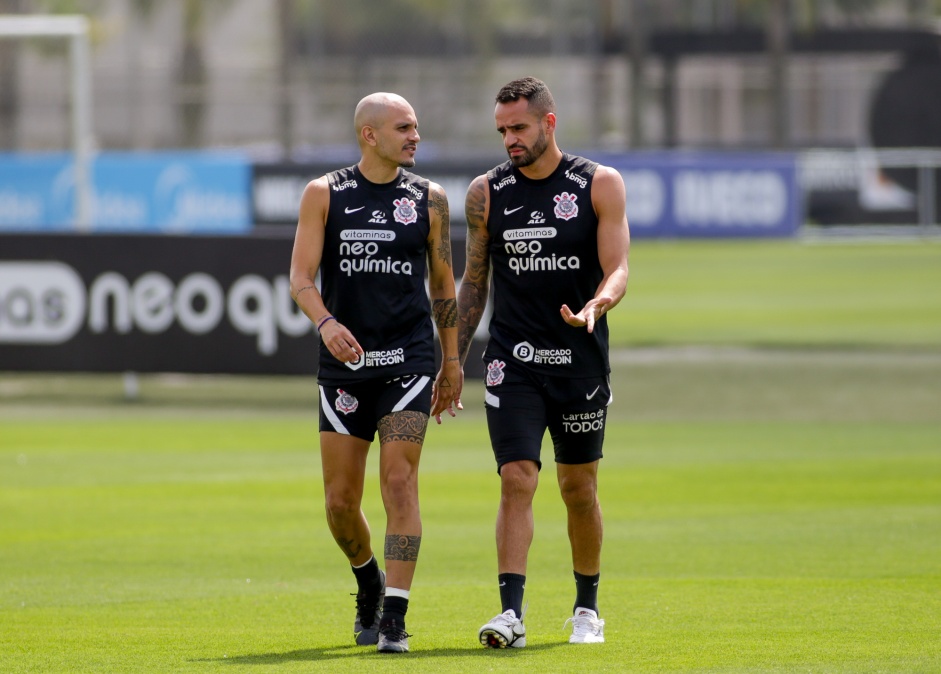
point(171, 192)
point(709, 195)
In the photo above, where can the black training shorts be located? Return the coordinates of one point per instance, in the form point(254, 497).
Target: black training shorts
point(356, 408)
point(522, 405)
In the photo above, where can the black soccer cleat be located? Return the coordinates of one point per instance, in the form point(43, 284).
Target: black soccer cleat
point(368, 613)
point(393, 639)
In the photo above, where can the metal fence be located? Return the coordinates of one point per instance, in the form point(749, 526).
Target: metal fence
point(898, 190)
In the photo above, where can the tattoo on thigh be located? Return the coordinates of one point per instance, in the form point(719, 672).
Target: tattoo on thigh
point(405, 426)
point(401, 548)
point(350, 547)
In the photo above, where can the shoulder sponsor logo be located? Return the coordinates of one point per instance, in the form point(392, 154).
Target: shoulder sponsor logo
point(349, 210)
point(581, 181)
point(509, 180)
point(344, 185)
point(565, 206)
point(508, 211)
point(414, 191)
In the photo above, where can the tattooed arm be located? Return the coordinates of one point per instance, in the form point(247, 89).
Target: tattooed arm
point(475, 286)
point(446, 392)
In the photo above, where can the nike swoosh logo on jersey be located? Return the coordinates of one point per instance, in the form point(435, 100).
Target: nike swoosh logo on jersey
point(507, 211)
point(349, 210)
point(589, 396)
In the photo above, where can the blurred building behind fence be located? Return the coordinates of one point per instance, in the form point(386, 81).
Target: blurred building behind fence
point(281, 77)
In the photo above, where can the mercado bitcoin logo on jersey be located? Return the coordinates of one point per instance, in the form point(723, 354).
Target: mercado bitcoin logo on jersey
point(527, 353)
point(381, 358)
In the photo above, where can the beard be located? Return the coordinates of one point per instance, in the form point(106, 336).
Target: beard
point(530, 154)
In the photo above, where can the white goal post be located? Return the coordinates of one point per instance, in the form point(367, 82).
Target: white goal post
point(75, 28)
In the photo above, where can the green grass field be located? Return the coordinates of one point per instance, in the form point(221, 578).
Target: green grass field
point(771, 490)
point(783, 294)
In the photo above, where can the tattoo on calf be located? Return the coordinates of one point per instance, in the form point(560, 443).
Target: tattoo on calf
point(405, 426)
point(349, 546)
point(401, 548)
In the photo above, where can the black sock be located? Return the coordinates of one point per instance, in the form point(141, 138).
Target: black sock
point(368, 578)
point(393, 608)
point(586, 591)
point(511, 592)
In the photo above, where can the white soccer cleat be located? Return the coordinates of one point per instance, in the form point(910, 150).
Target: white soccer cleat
point(587, 627)
point(504, 631)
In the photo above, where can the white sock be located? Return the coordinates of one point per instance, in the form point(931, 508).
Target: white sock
point(396, 592)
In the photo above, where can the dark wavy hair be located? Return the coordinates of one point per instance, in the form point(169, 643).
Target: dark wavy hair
point(535, 92)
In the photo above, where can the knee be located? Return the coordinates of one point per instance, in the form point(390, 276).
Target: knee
point(400, 487)
point(341, 504)
point(518, 480)
point(579, 495)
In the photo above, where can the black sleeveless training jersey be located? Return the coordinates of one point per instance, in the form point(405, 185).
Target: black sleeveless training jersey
point(544, 253)
point(373, 275)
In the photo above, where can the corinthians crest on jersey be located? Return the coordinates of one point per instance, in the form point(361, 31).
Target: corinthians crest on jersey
point(495, 373)
point(405, 212)
point(346, 403)
point(565, 206)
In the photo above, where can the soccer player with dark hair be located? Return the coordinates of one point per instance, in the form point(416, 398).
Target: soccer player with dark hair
point(551, 229)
